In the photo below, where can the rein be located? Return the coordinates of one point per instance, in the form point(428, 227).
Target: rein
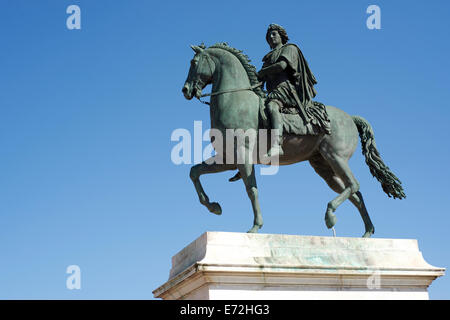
point(227, 91)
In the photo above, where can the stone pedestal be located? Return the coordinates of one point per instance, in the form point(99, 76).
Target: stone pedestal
point(230, 266)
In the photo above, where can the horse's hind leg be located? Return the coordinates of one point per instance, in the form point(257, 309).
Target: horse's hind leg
point(247, 172)
point(205, 168)
point(358, 201)
point(336, 184)
point(342, 170)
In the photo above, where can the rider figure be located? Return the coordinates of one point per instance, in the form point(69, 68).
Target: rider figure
point(289, 82)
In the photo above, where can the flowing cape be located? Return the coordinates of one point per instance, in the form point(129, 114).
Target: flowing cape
point(303, 79)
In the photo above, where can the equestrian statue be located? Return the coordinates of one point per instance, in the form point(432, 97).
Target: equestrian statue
point(303, 129)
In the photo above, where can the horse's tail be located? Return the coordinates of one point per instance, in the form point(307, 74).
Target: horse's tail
point(390, 183)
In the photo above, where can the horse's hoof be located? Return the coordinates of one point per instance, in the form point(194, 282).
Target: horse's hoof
point(368, 234)
point(215, 208)
point(236, 177)
point(254, 229)
point(330, 220)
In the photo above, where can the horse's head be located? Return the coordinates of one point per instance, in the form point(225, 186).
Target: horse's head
point(200, 73)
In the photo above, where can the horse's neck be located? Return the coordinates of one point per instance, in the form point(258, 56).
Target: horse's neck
point(229, 73)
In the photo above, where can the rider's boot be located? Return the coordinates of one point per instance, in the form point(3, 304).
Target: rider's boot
point(276, 149)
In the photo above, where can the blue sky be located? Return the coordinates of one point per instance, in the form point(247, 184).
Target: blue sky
point(86, 117)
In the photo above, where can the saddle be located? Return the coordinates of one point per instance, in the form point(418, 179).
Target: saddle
point(294, 124)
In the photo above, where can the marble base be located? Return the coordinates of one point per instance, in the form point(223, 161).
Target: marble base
point(235, 266)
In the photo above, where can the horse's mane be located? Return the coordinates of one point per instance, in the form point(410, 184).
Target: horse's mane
point(245, 61)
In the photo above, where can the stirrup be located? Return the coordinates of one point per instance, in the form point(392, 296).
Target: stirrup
point(275, 151)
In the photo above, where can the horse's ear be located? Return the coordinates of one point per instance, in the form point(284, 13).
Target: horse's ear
point(196, 49)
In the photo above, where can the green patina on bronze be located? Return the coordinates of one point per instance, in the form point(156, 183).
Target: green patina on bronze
point(323, 135)
point(290, 83)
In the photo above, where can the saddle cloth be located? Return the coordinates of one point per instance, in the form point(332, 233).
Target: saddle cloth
point(294, 124)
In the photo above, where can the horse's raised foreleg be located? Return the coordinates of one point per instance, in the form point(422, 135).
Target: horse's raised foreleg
point(247, 172)
point(205, 168)
point(336, 184)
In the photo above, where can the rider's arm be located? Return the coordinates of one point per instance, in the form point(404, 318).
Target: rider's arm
point(274, 68)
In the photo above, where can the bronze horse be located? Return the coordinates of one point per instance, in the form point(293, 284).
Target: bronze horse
point(235, 104)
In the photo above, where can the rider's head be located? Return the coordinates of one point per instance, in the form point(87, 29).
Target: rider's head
point(281, 31)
